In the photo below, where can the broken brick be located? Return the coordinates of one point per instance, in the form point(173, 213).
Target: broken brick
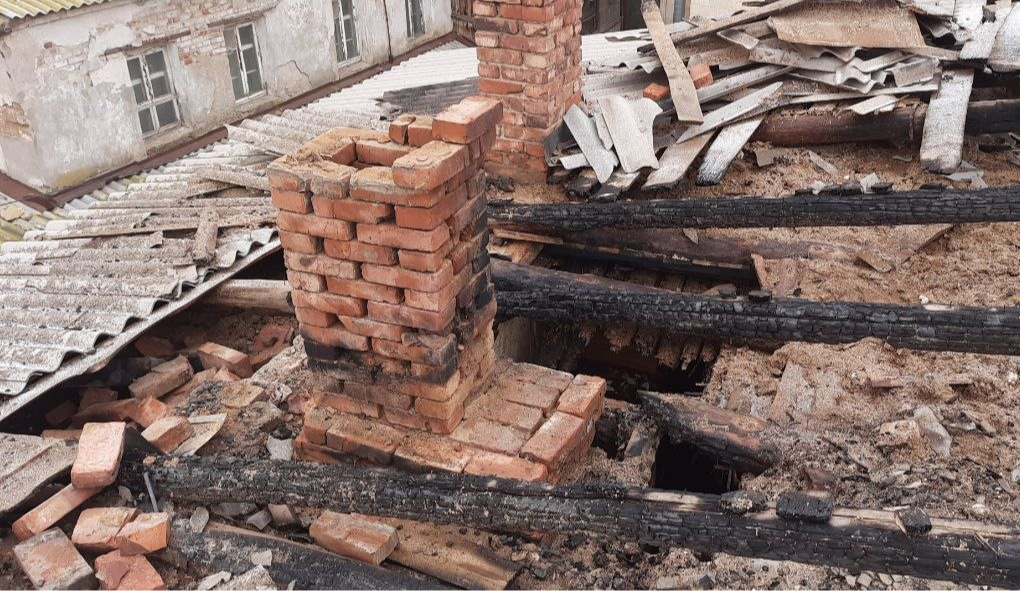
point(486, 463)
point(162, 379)
point(51, 561)
point(555, 439)
point(90, 396)
point(99, 451)
point(583, 397)
point(146, 533)
point(656, 91)
point(213, 355)
point(155, 347)
point(149, 411)
point(467, 120)
point(168, 433)
point(429, 166)
point(354, 537)
point(489, 435)
point(61, 414)
point(117, 571)
point(52, 510)
point(701, 73)
point(96, 529)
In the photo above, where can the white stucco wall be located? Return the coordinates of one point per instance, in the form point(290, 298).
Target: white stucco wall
point(68, 73)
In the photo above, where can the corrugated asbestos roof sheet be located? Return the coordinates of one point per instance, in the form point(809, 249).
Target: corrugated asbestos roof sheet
point(80, 283)
point(29, 8)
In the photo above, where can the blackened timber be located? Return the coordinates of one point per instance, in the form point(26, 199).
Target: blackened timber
point(950, 206)
point(742, 442)
point(556, 296)
point(802, 128)
point(226, 548)
point(956, 550)
point(653, 261)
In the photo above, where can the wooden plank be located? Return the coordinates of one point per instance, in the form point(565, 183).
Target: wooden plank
point(942, 140)
point(681, 86)
point(675, 162)
point(724, 149)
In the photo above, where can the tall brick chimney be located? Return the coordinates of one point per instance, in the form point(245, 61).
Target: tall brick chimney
point(529, 58)
point(384, 239)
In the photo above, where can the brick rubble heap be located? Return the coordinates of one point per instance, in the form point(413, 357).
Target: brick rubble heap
point(385, 240)
point(529, 58)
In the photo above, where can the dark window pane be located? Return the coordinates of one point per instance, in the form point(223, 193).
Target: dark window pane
point(160, 85)
point(251, 59)
point(254, 82)
point(246, 34)
point(145, 118)
point(156, 62)
point(166, 113)
point(352, 47)
point(140, 94)
point(235, 74)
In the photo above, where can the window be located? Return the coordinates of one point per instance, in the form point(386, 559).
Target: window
point(154, 92)
point(589, 17)
point(344, 30)
point(245, 62)
point(415, 18)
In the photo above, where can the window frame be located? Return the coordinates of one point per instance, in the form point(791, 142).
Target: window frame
point(152, 102)
point(234, 31)
point(413, 24)
point(343, 37)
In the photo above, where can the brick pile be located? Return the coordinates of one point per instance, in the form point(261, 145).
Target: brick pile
point(385, 244)
point(529, 58)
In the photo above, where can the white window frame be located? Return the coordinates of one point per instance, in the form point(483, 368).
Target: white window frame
point(415, 22)
point(345, 29)
point(234, 31)
point(153, 101)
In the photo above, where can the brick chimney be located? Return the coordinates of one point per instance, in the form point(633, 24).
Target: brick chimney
point(529, 58)
point(384, 239)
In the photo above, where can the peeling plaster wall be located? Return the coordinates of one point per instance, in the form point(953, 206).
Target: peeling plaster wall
point(438, 22)
point(67, 73)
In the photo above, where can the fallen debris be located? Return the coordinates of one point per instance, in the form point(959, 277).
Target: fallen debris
point(51, 562)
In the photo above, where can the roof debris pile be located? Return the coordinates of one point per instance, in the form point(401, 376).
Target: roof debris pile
point(705, 89)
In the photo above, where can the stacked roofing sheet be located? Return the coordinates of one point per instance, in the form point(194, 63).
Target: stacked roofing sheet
point(27, 8)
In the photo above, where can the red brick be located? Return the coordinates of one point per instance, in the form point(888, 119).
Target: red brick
point(96, 529)
point(99, 451)
point(486, 463)
point(273, 335)
point(452, 410)
point(427, 218)
point(116, 571)
point(162, 379)
point(447, 425)
point(353, 250)
point(499, 55)
point(292, 201)
point(380, 153)
point(701, 73)
point(331, 181)
point(150, 410)
point(413, 317)
point(398, 128)
point(313, 225)
point(313, 317)
point(61, 413)
point(419, 133)
point(367, 439)
point(90, 396)
point(554, 440)
point(403, 278)
point(499, 86)
point(433, 453)
point(362, 211)
point(118, 410)
point(404, 418)
point(329, 302)
point(300, 242)
point(150, 346)
point(537, 374)
point(213, 355)
point(372, 328)
point(430, 349)
point(480, 8)
point(364, 290)
point(656, 91)
point(467, 120)
point(52, 510)
point(51, 561)
point(322, 207)
point(534, 395)
point(524, 418)
point(149, 532)
point(354, 536)
point(348, 404)
point(168, 433)
point(583, 397)
point(318, 421)
point(491, 436)
point(467, 214)
point(387, 395)
point(376, 184)
point(425, 261)
point(404, 238)
point(320, 265)
point(336, 336)
point(429, 166)
point(65, 434)
point(439, 300)
point(306, 281)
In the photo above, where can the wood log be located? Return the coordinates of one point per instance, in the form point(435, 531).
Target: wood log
point(741, 442)
point(556, 296)
point(956, 550)
point(252, 294)
point(802, 128)
point(950, 206)
point(226, 548)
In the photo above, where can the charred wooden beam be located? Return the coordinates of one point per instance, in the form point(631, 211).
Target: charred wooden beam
point(956, 550)
point(226, 548)
point(653, 261)
point(252, 294)
point(950, 206)
point(739, 441)
point(556, 296)
point(803, 128)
